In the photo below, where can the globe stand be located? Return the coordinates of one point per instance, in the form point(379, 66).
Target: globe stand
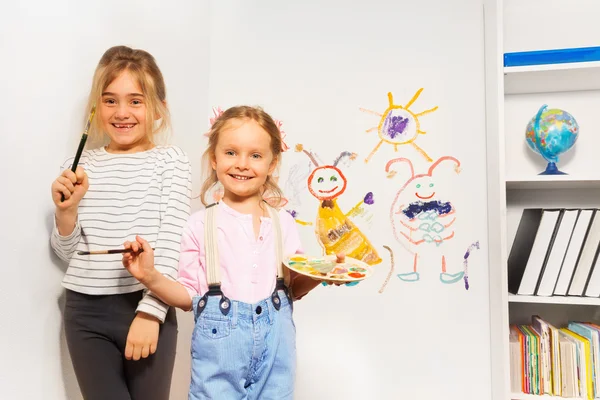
point(552, 169)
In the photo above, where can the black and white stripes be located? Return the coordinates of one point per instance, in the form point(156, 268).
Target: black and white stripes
point(146, 194)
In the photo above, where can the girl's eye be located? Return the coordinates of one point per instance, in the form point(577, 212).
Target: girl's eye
point(109, 101)
point(418, 185)
point(255, 155)
point(320, 180)
point(333, 179)
point(136, 102)
point(229, 153)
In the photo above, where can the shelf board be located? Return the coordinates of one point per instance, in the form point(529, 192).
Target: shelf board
point(553, 182)
point(556, 70)
point(552, 67)
point(570, 300)
point(524, 396)
point(552, 78)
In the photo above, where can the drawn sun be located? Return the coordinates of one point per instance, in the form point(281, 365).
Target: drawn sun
point(399, 125)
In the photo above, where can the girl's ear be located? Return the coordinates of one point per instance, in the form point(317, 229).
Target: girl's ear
point(273, 165)
point(213, 162)
point(158, 116)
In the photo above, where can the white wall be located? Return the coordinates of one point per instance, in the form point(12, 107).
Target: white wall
point(550, 24)
point(48, 52)
point(312, 64)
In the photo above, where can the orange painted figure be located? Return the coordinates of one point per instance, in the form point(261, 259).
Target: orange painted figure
point(335, 232)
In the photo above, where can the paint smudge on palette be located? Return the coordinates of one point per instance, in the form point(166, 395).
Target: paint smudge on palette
point(327, 268)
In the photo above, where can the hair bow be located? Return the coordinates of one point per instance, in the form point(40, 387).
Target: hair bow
point(284, 146)
point(218, 111)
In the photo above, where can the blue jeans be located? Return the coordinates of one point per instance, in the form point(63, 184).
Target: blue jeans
point(248, 354)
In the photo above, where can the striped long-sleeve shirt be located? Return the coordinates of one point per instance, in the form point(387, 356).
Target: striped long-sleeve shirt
point(146, 194)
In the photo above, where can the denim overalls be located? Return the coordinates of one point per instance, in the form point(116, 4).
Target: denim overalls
point(240, 350)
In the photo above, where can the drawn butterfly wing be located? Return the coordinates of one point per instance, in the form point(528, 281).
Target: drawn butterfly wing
point(295, 188)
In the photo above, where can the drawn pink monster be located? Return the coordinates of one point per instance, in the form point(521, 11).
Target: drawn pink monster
point(422, 220)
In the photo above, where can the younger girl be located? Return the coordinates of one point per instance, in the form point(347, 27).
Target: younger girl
point(122, 338)
point(230, 270)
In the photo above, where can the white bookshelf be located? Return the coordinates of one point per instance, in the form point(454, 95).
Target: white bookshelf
point(552, 78)
point(554, 300)
point(553, 182)
point(574, 87)
point(523, 396)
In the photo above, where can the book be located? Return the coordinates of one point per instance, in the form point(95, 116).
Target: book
point(573, 251)
point(586, 260)
point(530, 249)
point(557, 253)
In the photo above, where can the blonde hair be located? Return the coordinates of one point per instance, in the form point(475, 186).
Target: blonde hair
point(242, 113)
point(142, 66)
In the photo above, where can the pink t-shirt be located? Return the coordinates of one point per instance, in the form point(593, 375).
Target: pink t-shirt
point(248, 265)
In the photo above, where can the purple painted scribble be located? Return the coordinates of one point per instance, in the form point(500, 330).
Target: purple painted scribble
point(369, 198)
point(417, 207)
point(293, 213)
point(465, 263)
point(395, 125)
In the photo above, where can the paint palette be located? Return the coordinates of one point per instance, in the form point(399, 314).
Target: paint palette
point(326, 268)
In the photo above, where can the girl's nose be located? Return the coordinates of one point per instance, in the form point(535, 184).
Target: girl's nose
point(242, 162)
point(122, 111)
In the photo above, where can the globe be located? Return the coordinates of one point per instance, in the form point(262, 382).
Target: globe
point(550, 133)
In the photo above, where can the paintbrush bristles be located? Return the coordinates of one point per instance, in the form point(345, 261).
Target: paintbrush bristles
point(89, 122)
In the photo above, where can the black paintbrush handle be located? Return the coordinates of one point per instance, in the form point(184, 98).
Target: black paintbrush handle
point(112, 251)
point(76, 160)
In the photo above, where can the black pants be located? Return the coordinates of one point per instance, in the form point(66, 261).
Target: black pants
point(96, 329)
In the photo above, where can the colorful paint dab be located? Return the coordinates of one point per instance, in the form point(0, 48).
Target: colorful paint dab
point(392, 267)
point(472, 247)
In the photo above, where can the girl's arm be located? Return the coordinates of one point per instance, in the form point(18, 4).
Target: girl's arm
point(67, 232)
point(175, 203)
point(141, 265)
point(301, 284)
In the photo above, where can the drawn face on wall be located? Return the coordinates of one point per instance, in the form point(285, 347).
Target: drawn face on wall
point(327, 182)
point(423, 188)
point(431, 191)
point(421, 193)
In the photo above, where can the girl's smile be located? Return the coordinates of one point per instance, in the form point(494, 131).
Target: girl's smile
point(243, 159)
point(123, 115)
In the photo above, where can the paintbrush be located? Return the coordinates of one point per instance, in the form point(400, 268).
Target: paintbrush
point(112, 251)
point(81, 144)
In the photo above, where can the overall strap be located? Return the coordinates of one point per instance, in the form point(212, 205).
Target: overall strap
point(278, 240)
point(213, 270)
point(213, 267)
point(283, 275)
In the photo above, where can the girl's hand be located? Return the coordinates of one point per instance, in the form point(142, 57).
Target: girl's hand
point(339, 259)
point(142, 338)
point(73, 185)
point(139, 263)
